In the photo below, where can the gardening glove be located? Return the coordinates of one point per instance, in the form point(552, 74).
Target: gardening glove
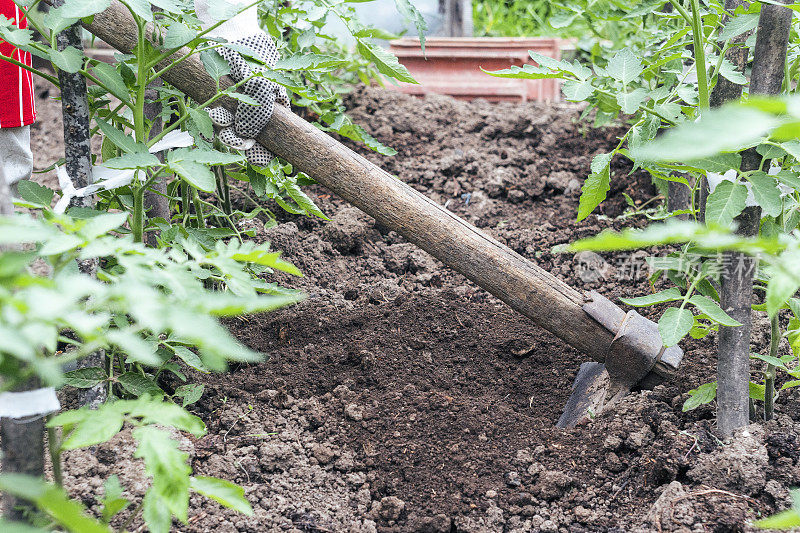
point(239, 130)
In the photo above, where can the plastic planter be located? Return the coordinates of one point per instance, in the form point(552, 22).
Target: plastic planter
point(453, 67)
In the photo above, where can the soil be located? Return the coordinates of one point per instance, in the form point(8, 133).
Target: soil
point(400, 397)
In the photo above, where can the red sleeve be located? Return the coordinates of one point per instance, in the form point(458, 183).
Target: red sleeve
point(17, 107)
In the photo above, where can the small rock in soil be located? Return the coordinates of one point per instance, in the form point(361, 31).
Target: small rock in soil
point(391, 507)
point(512, 479)
point(354, 412)
point(740, 466)
point(552, 484)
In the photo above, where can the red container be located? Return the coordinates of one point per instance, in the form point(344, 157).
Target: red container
point(453, 67)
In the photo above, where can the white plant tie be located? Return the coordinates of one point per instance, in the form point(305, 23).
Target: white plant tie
point(106, 179)
point(31, 403)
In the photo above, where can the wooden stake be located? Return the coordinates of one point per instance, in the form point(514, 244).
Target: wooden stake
point(736, 294)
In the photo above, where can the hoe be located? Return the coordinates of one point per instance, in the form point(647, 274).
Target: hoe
point(626, 348)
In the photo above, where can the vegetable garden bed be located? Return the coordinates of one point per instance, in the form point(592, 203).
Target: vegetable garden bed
point(401, 397)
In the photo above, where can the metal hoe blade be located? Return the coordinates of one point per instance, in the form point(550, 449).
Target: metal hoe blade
point(630, 359)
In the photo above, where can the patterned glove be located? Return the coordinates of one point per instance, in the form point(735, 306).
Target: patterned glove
point(239, 131)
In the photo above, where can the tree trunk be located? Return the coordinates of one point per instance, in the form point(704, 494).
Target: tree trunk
point(733, 366)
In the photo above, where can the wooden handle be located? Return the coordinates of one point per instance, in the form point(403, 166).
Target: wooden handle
point(534, 292)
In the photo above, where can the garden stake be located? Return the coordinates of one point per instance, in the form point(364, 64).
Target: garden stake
point(736, 294)
point(527, 288)
point(78, 164)
point(725, 90)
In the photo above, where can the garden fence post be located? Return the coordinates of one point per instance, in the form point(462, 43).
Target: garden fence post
point(736, 294)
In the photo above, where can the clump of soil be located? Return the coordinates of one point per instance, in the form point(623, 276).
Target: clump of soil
point(400, 397)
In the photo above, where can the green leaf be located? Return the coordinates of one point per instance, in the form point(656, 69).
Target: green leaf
point(791, 384)
point(34, 193)
point(313, 62)
point(69, 60)
point(68, 513)
point(710, 308)
point(738, 25)
point(596, 186)
point(196, 174)
point(783, 520)
point(730, 72)
point(168, 467)
point(296, 194)
point(769, 360)
point(156, 514)
point(668, 295)
point(95, 427)
point(562, 19)
point(189, 357)
point(137, 349)
point(133, 160)
point(138, 385)
point(60, 244)
point(409, 12)
point(787, 177)
point(78, 9)
point(726, 129)
point(18, 527)
point(215, 65)
point(120, 139)
point(190, 393)
point(782, 286)
point(577, 91)
point(211, 157)
point(224, 492)
point(624, 66)
point(718, 163)
point(178, 34)
point(701, 395)
point(630, 101)
point(85, 378)
point(112, 500)
point(725, 203)
point(112, 79)
point(756, 391)
point(203, 122)
point(674, 324)
point(156, 410)
point(766, 193)
point(384, 61)
point(102, 223)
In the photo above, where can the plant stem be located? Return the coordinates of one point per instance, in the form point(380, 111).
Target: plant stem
point(198, 209)
point(54, 447)
point(185, 205)
point(769, 375)
point(137, 220)
point(698, 37)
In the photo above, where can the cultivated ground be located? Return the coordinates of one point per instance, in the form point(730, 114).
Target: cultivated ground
point(400, 397)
